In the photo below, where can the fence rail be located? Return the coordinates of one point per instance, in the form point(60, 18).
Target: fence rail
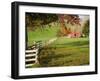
point(31, 57)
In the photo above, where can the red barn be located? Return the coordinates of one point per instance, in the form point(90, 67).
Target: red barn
point(74, 35)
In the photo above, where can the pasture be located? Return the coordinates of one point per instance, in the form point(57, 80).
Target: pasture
point(62, 52)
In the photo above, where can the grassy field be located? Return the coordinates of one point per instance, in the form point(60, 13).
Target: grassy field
point(66, 52)
point(62, 52)
point(43, 35)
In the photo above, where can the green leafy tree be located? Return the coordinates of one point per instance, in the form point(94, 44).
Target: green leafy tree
point(38, 19)
point(86, 28)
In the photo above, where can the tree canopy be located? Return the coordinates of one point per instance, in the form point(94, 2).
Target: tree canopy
point(86, 28)
point(37, 19)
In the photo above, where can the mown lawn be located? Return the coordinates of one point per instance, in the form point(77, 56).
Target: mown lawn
point(72, 51)
point(65, 52)
point(41, 34)
point(62, 52)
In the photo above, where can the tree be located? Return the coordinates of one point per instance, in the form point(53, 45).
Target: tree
point(86, 28)
point(38, 19)
point(72, 19)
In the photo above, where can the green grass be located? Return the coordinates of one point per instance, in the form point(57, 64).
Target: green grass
point(62, 52)
point(71, 42)
point(41, 34)
point(65, 52)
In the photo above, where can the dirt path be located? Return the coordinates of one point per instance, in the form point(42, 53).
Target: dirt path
point(51, 41)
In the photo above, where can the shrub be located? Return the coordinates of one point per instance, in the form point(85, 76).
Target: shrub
point(45, 57)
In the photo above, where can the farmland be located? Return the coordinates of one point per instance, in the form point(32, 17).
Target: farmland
point(63, 51)
point(62, 39)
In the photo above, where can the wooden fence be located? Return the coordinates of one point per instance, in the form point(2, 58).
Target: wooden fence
point(31, 55)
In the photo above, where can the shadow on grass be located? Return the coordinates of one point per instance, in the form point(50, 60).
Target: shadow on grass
point(81, 44)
